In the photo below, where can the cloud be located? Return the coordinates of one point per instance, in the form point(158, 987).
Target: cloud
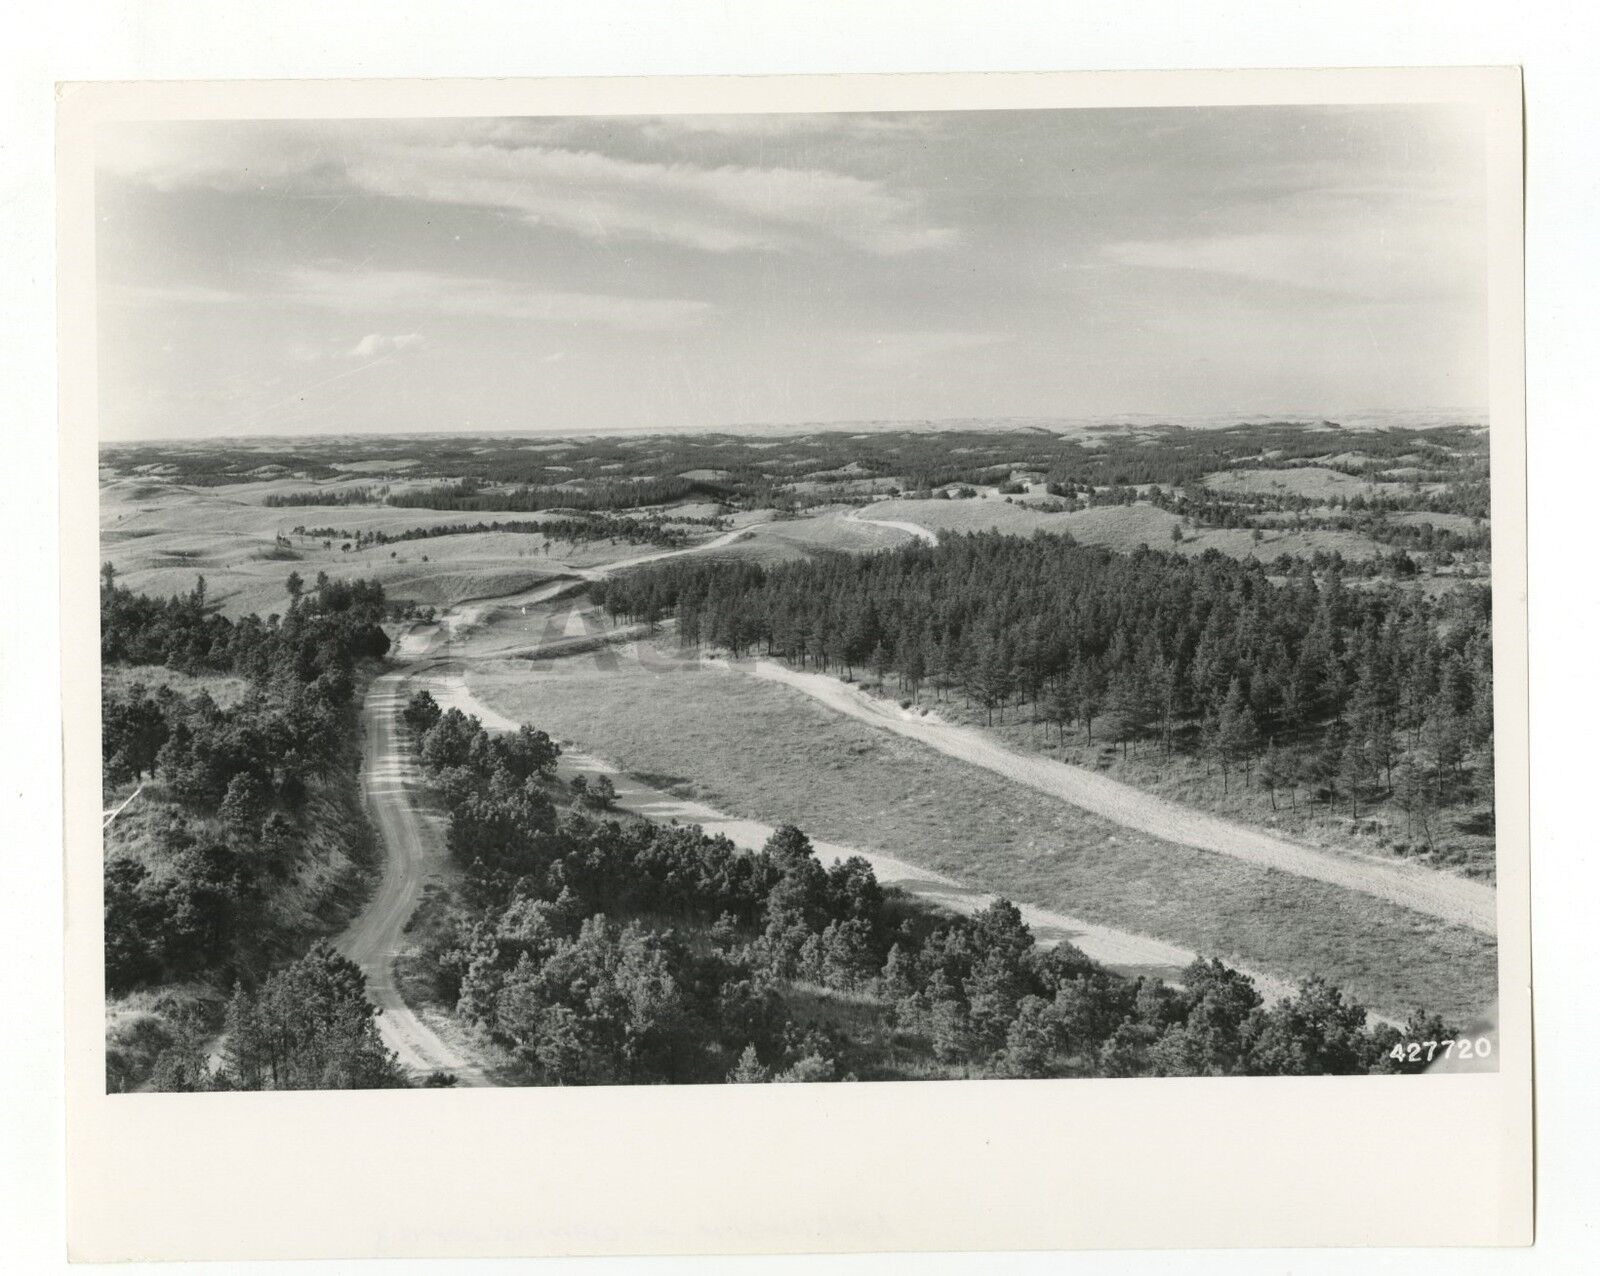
point(168, 295)
point(415, 293)
point(378, 343)
point(790, 124)
point(429, 293)
point(1384, 262)
point(723, 208)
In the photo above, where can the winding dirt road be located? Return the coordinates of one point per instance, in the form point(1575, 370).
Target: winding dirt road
point(913, 529)
point(390, 783)
point(1452, 899)
point(413, 837)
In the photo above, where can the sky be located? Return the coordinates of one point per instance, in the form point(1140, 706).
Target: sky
point(568, 275)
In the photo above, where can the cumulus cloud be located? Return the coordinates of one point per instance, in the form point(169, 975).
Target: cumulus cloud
point(721, 208)
point(379, 343)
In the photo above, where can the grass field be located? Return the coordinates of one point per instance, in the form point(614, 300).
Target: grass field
point(1118, 527)
point(161, 536)
point(1462, 523)
point(1308, 480)
point(1463, 842)
point(763, 751)
point(833, 530)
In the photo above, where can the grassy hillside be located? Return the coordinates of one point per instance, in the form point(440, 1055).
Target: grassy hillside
point(1118, 527)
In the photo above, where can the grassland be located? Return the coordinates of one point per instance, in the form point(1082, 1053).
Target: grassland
point(1307, 480)
point(834, 530)
point(1464, 842)
point(161, 536)
point(1118, 527)
point(766, 752)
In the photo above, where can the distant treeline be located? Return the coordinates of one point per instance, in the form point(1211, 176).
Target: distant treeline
point(1379, 689)
point(921, 459)
point(605, 951)
point(325, 496)
point(635, 531)
point(1359, 512)
point(468, 494)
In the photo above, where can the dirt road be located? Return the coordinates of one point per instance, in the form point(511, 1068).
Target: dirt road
point(415, 852)
point(413, 838)
point(913, 529)
point(1452, 899)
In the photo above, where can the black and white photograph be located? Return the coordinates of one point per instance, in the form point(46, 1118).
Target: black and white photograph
point(791, 597)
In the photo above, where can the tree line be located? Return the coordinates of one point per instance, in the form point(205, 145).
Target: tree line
point(602, 950)
point(469, 494)
point(325, 496)
point(1355, 693)
point(635, 531)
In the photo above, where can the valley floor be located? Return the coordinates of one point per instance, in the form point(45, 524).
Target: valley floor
point(764, 751)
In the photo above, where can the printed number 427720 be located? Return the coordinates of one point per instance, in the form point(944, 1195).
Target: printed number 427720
point(1427, 1051)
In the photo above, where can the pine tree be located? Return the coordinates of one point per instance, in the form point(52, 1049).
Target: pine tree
point(1274, 772)
point(749, 1070)
point(1234, 733)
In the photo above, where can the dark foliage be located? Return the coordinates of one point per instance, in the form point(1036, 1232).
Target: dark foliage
point(1202, 653)
point(234, 780)
point(309, 1026)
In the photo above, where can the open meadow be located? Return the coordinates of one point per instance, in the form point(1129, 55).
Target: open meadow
point(764, 751)
point(1120, 527)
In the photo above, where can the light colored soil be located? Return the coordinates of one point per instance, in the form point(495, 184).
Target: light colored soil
point(837, 529)
point(910, 529)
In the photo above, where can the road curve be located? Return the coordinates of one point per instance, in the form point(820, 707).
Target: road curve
point(415, 851)
point(1449, 898)
point(914, 529)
